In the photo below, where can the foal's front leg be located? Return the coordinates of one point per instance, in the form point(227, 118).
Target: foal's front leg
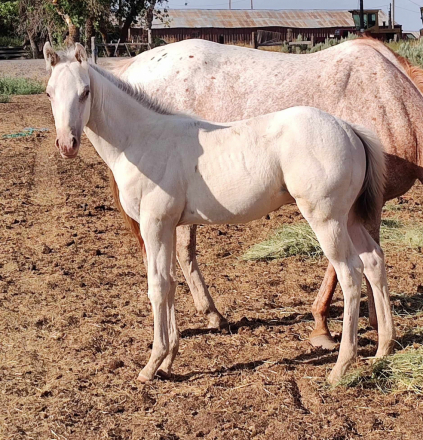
point(159, 238)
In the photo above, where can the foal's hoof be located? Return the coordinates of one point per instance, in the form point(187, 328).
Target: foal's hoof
point(324, 341)
point(217, 321)
point(334, 378)
point(143, 379)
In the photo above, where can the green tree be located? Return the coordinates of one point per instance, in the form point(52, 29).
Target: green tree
point(9, 13)
point(129, 12)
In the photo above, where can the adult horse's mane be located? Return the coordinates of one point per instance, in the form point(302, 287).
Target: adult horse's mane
point(415, 73)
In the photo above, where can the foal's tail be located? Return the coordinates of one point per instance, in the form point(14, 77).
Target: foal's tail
point(371, 195)
point(132, 224)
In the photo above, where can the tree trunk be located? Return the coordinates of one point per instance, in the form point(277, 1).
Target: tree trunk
point(50, 35)
point(89, 30)
point(103, 33)
point(74, 35)
point(125, 28)
point(34, 47)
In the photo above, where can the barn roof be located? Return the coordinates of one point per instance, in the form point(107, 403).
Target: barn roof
point(238, 18)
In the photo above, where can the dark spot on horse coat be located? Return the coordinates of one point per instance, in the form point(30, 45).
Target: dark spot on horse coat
point(187, 90)
point(185, 80)
point(165, 54)
point(191, 56)
point(213, 77)
point(159, 59)
point(152, 58)
point(196, 168)
point(177, 72)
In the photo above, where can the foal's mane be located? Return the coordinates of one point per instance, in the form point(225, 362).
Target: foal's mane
point(135, 92)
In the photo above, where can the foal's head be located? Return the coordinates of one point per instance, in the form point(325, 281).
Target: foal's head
point(69, 92)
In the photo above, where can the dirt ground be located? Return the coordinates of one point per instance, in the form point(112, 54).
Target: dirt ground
point(76, 324)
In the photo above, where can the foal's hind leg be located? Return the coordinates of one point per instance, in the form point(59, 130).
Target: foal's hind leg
point(374, 268)
point(320, 336)
point(186, 253)
point(333, 236)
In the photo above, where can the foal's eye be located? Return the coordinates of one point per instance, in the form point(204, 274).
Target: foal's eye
point(48, 95)
point(84, 96)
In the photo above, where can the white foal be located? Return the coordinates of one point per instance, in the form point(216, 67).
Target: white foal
point(176, 170)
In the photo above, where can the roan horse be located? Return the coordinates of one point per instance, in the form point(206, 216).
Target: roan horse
point(360, 81)
point(173, 169)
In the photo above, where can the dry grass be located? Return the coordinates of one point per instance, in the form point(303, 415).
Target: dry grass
point(300, 240)
point(400, 372)
point(290, 240)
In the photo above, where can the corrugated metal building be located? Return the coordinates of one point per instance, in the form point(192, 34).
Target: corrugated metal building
point(236, 26)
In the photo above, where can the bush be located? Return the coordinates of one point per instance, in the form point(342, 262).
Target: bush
point(412, 50)
point(4, 99)
point(10, 42)
point(20, 86)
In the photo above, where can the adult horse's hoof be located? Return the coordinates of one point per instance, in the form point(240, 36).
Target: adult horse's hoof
point(164, 374)
point(323, 341)
point(217, 321)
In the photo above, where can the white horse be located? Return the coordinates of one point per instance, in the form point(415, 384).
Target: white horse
point(173, 169)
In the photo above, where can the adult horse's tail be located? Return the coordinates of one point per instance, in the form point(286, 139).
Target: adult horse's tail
point(369, 201)
point(132, 224)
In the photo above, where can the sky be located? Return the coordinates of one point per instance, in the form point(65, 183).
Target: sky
point(407, 12)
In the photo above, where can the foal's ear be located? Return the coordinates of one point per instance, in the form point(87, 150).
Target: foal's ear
point(50, 56)
point(80, 53)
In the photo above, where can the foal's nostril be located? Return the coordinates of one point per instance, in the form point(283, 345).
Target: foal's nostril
point(74, 142)
point(57, 142)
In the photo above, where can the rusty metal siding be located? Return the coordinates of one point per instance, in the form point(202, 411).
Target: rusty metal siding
point(235, 19)
point(239, 35)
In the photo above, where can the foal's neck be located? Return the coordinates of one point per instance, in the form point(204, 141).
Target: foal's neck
point(117, 120)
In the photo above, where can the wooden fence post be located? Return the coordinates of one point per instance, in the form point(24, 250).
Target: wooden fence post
point(289, 35)
point(150, 39)
point(254, 40)
point(93, 51)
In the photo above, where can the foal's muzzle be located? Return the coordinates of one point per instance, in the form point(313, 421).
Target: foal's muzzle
point(68, 146)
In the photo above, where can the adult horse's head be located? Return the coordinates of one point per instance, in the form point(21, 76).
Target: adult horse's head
point(69, 92)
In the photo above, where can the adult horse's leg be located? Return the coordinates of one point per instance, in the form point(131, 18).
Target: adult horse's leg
point(321, 336)
point(159, 239)
point(186, 254)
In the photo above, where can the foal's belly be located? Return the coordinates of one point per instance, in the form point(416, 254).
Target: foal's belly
point(234, 205)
